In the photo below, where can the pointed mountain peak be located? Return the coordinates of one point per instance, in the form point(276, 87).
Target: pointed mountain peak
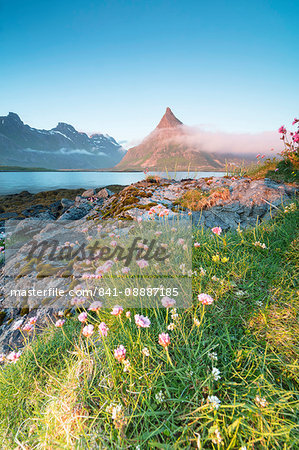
point(169, 120)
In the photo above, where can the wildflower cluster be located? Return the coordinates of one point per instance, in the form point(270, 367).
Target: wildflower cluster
point(290, 208)
point(259, 244)
point(291, 141)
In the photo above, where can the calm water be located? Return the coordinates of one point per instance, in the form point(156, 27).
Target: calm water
point(14, 182)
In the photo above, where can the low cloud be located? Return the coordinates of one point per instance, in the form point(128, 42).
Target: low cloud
point(239, 144)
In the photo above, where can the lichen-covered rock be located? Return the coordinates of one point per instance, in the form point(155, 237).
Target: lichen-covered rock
point(223, 201)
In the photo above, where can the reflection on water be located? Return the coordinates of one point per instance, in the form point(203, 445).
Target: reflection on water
point(14, 182)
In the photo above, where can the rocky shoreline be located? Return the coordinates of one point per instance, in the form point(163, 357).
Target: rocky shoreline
point(223, 201)
point(227, 202)
point(48, 205)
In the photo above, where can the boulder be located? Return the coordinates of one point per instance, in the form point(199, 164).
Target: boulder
point(76, 212)
point(88, 193)
point(103, 193)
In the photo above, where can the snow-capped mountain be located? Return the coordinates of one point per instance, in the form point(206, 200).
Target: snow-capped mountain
point(63, 147)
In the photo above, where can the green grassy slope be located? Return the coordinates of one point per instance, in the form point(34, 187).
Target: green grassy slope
point(68, 392)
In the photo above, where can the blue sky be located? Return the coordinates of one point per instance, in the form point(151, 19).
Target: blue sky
point(113, 66)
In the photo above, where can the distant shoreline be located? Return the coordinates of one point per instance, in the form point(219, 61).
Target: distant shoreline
point(41, 169)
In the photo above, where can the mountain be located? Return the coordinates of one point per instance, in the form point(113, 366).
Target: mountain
point(63, 147)
point(172, 146)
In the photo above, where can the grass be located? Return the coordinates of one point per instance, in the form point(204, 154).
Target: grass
point(67, 391)
point(196, 199)
point(281, 170)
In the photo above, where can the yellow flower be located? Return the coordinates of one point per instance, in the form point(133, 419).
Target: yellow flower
point(216, 258)
point(224, 259)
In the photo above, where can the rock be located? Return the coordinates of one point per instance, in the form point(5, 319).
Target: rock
point(88, 193)
point(76, 212)
point(9, 215)
point(271, 184)
point(67, 203)
point(33, 211)
point(103, 193)
point(259, 210)
point(45, 215)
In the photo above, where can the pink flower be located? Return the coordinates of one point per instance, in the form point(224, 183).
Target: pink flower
point(295, 121)
point(142, 321)
point(181, 241)
point(13, 356)
point(258, 155)
point(28, 327)
point(113, 243)
point(82, 317)
point(125, 269)
point(168, 302)
point(263, 156)
point(205, 299)
point(128, 314)
point(117, 310)
point(120, 353)
point(59, 323)
point(32, 320)
point(296, 137)
point(142, 263)
point(103, 329)
point(164, 340)
point(196, 244)
point(88, 330)
point(95, 306)
point(217, 230)
point(282, 130)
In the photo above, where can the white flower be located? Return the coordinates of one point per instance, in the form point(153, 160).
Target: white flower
point(261, 401)
point(213, 356)
point(258, 244)
point(174, 314)
point(290, 208)
point(170, 327)
point(202, 271)
point(214, 401)
point(127, 365)
point(116, 411)
point(240, 293)
point(183, 269)
point(216, 373)
point(217, 439)
point(160, 397)
point(243, 447)
point(145, 351)
point(259, 303)
point(196, 321)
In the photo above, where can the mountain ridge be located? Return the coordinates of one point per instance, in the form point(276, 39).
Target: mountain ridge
point(62, 147)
